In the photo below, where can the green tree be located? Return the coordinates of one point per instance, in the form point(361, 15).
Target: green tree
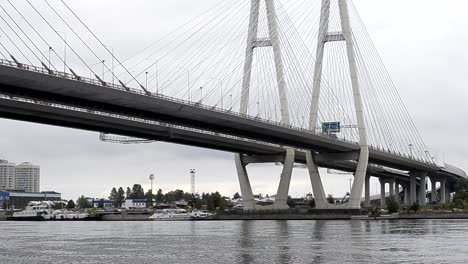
point(149, 199)
point(160, 196)
point(58, 205)
point(119, 198)
point(392, 205)
point(113, 194)
point(291, 202)
point(330, 199)
point(83, 203)
point(178, 195)
point(312, 203)
point(461, 192)
point(137, 192)
point(198, 203)
point(71, 204)
point(414, 207)
point(129, 193)
point(236, 196)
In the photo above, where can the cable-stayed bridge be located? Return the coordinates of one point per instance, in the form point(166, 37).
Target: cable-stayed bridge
point(241, 78)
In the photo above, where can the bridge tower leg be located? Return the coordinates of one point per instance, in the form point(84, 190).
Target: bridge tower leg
point(253, 42)
point(246, 188)
point(346, 35)
point(316, 181)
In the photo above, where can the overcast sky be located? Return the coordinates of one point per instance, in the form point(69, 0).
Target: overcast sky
point(422, 43)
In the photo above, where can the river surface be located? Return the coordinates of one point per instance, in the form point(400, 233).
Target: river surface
point(399, 241)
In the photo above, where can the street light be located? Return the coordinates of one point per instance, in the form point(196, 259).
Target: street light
point(49, 50)
point(411, 149)
point(201, 94)
point(146, 85)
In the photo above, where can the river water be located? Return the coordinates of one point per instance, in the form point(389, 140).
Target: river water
point(398, 241)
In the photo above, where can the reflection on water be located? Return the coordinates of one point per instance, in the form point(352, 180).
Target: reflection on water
point(400, 241)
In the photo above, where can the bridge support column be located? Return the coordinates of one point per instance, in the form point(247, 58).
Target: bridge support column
point(382, 192)
point(316, 181)
point(246, 189)
point(443, 189)
point(281, 201)
point(433, 190)
point(283, 189)
point(406, 199)
point(422, 194)
point(397, 191)
point(392, 188)
point(422, 187)
point(367, 202)
point(413, 188)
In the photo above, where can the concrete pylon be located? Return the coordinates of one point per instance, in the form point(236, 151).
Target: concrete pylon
point(281, 200)
point(246, 189)
point(443, 190)
point(392, 187)
point(283, 188)
point(345, 35)
point(382, 192)
point(406, 199)
point(253, 42)
point(367, 202)
point(316, 181)
point(433, 190)
point(413, 198)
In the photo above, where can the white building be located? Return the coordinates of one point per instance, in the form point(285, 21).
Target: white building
point(134, 203)
point(27, 177)
point(7, 175)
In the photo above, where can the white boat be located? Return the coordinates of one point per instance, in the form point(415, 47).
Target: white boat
point(34, 211)
point(179, 215)
point(200, 215)
point(68, 215)
point(170, 216)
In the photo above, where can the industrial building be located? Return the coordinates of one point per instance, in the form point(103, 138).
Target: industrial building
point(20, 199)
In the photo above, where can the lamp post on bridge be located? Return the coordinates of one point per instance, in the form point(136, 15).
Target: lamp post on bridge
point(146, 83)
point(411, 150)
point(49, 51)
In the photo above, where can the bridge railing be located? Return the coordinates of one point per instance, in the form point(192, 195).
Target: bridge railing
point(164, 97)
point(68, 76)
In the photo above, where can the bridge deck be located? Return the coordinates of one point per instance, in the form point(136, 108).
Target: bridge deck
point(36, 84)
